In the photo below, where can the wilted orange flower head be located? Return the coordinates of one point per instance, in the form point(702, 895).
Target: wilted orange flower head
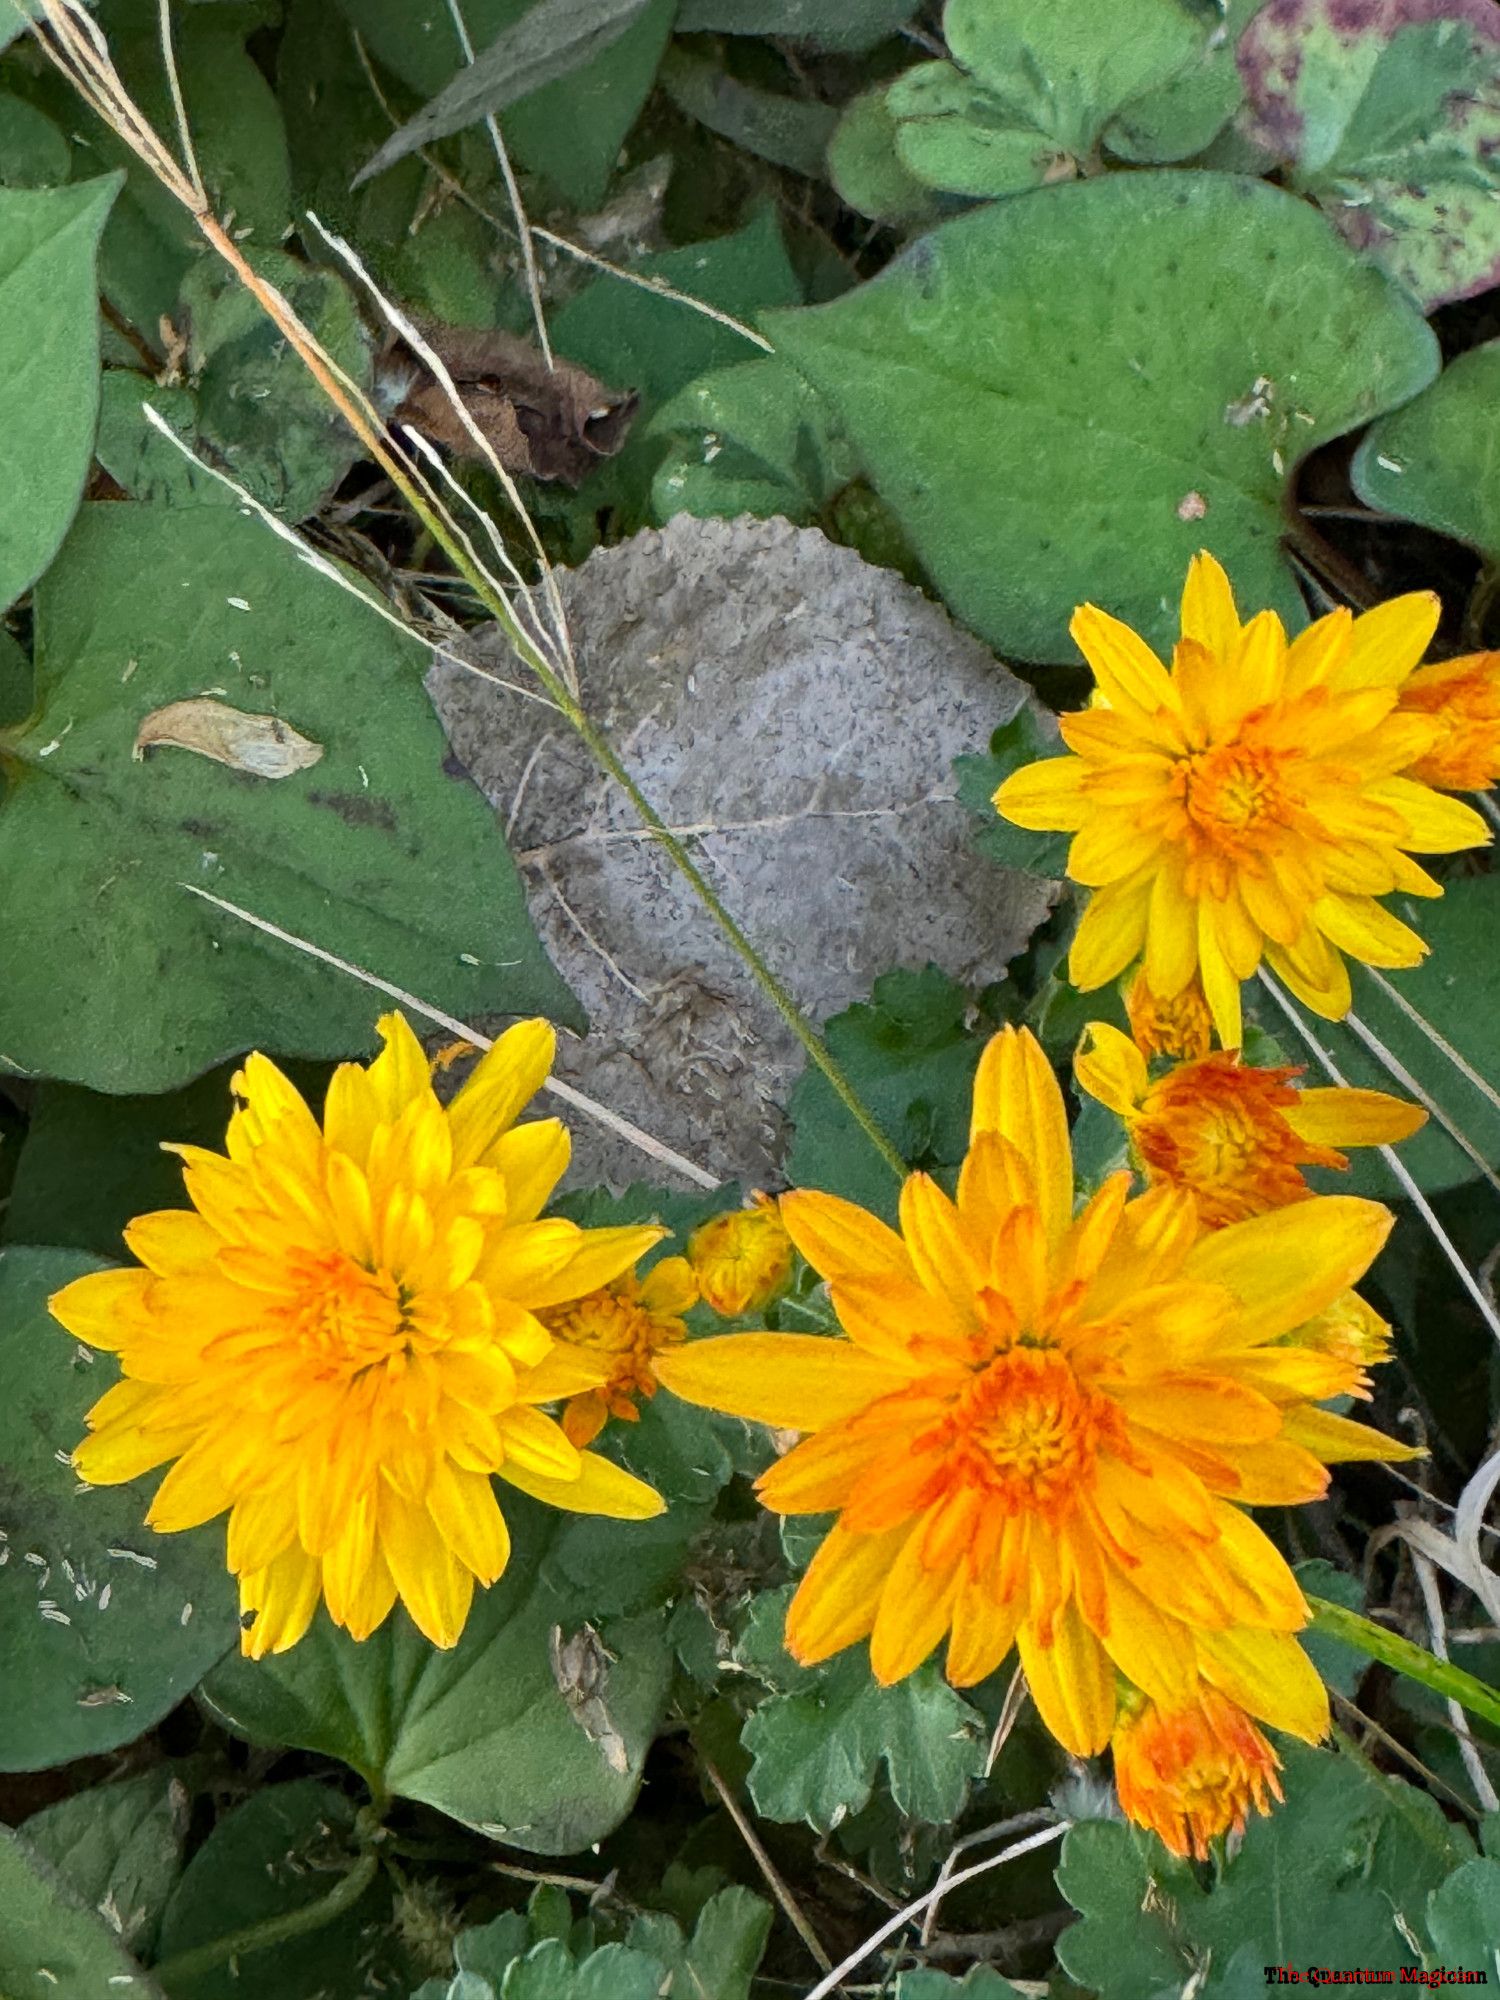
point(624, 1324)
point(1462, 697)
point(1235, 1136)
point(1044, 1429)
point(742, 1258)
point(340, 1341)
point(1194, 1773)
point(1250, 802)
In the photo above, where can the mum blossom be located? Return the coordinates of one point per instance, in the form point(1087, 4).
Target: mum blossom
point(1247, 803)
point(339, 1342)
point(1044, 1430)
point(742, 1259)
point(1237, 1137)
point(624, 1325)
point(1193, 1773)
point(1462, 697)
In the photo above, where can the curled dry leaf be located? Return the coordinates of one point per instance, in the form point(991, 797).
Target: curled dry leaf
point(262, 745)
point(553, 423)
point(580, 1669)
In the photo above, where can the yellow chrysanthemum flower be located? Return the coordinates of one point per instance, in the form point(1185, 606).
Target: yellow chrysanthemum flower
point(1192, 1774)
point(1249, 802)
point(624, 1324)
point(1044, 1430)
point(1462, 697)
point(339, 1342)
point(1353, 1330)
point(742, 1258)
point(1235, 1136)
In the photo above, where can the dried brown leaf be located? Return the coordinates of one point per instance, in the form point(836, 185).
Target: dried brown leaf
point(262, 745)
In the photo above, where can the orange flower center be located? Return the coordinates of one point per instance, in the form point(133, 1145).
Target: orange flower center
point(1195, 1773)
point(346, 1319)
point(1025, 1432)
point(1218, 1126)
point(1234, 796)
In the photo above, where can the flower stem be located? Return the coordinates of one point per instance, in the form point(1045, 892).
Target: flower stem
point(1335, 1621)
point(272, 1930)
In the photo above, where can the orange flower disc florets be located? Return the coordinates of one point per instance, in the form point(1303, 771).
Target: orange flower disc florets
point(1463, 698)
point(1181, 1027)
point(1193, 1774)
point(1219, 1127)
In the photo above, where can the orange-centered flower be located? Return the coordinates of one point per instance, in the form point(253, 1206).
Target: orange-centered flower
point(340, 1343)
point(1463, 698)
point(742, 1258)
point(624, 1324)
point(1248, 802)
point(1181, 1027)
point(1235, 1136)
point(1045, 1429)
point(1193, 1773)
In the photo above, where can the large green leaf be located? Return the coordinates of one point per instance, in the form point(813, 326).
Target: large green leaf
point(119, 1848)
point(49, 366)
point(115, 975)
point(1338, 1875)
point(827, 24)
point(287, 1846)
point(1437, 461)
point(1064, 397)
point(1463, 1920)
point(104, 1626)
point(748, 440)
point(818, 1744)
point(484, 1732)
point(52, 1946)
point(569, 130)
point(1388, 113)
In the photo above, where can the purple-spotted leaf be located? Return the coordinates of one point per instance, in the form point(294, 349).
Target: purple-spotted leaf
point(1387, 112)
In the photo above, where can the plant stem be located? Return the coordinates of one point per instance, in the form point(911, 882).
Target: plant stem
point(272, 1930)
point(1334, 1621)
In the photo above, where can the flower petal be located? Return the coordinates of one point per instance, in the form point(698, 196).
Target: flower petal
point(1286, 1266)
point(602, 1487)
point(836, 1601)
point(796, 1381)
point(1109, 1066)
point(502, 1085)
point(1111, 932)
point(1017, 1095)
point(1270, 1677)
point(1072, 1682)
point(840, 1239)
point(1342, 1117)
point(1046, 797)
point(915, 1610)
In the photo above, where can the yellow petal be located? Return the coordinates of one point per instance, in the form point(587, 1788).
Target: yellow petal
point(1388, 641)
point(595, 1256)
point(1341, 1117)
point(1316, 654)
point(1221, 988)
point(796, 1381)
point(836, 1601)
point(841, 1240)
point(1270, 1677)
point(1111, 932)
point(1153, 1651)
point(602, 1487)
point(174, 1242)
point(502, 1085)
point(994, 1179)
point(1314, 972)
point(890, 1317)
point(433, 1584)
point(563, 1371)
point(194, 1491)
point(283, 1596)
point(105, 1308)
point(1017, 1095)
point(1361, 927)
point(536, 1443)
point(1436, 823)
point(1046, 797)
point(1072, 1682)
point(1171, 935)
point(462, 1506)
point(1113, 844)
point(983, 1633)
point(1109, 1066)
point(1286, 1266)
point(1208, 613)
point(1199, 1408)
point(532, 1158)
point(915, 1611)
point(1341, 1441)
point(947, 1261)
point(1126, 671)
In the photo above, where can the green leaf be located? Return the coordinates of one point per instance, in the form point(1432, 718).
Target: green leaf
point(104, 1626)
point(1388, 115)
point(816, 1749)
point(954, 133)
point(853, 25)
point(580, 68)
point(790, 132)
point(1456, 992)
point(1023, 740)
point(867, 171)
point(1124, 348)
point(138, 458)
point(119, 1849)
point(754, 439)
point(1338, 1621)
point(52, 1947)
point(1183, 116)
point(1338, 1875)
point(910, 1056)
point(978, 1984)
point(1341, 1665)
point(1461, 1919)
point(1437, 460)
point(373, 853)
point(483, 1732)
point(611, 1973)
point(720, 1959)
point(1066, 67)
point(287, 1848)
point(260, 413)
point(49, 365)
point(34, 152)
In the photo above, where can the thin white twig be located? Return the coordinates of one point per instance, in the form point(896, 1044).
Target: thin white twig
point(1465, 1069)
point(1397, 1166)
point(1038, 1816)
point(512, 189)
point(1393, 1066)
point(179, 108)
point(856, 1958)
point(656, 1149)
point(1432, 1598)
